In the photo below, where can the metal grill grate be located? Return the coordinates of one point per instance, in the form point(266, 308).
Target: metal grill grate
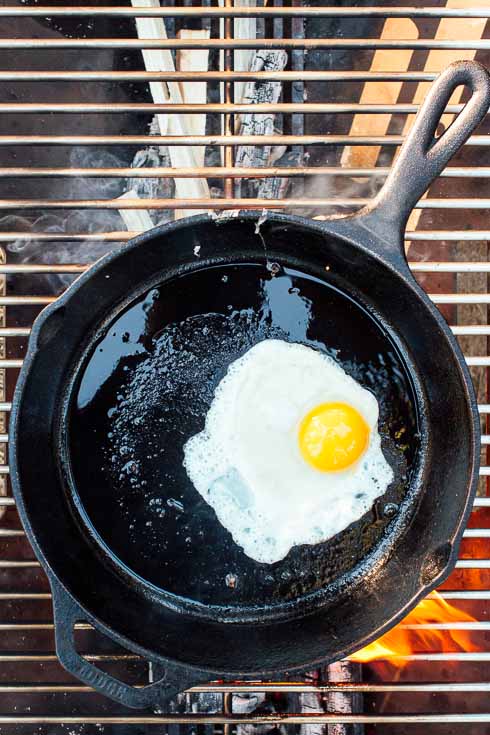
point(75, 106)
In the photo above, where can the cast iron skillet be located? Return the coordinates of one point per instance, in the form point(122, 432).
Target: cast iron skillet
point(120, 371)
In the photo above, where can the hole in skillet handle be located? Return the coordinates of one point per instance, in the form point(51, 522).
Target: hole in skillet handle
point(172, 679)
point(421, 159)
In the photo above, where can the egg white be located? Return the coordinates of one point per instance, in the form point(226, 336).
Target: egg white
point(247, 465)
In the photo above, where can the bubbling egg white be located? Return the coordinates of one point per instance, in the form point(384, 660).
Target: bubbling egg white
point(249, 462)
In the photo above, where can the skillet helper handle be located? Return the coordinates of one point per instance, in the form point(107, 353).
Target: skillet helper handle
point(172, 679)
point(422, 156)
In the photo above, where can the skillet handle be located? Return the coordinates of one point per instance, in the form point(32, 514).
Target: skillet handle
point(172, 679)
point(422, 156)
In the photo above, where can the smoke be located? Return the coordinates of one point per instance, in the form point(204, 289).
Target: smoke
point(51, 252)
point(338, 187)
point(83, 221)
point(87, 221)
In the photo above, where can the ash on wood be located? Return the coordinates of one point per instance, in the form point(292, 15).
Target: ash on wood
point(262, 124)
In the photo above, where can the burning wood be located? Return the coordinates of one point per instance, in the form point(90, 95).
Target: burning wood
point(247, 703)
point(430, 626)
point(157, 187)
point(243, 58)
point(312, 703)
point(380, 92)
point(143, 188)
point(400, 60)
point(262, 124)
point(195, 93)
point(340, 672)
point(136, 220)
point(344, 672)
point(437, 60)
point(169, 92)
point(252, 93)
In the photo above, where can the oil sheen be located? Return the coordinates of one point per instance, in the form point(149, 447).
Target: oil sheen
point(146, 386)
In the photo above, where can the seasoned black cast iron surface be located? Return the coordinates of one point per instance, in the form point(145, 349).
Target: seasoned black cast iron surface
point(146, 387)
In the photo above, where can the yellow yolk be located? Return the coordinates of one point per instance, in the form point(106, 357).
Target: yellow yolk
point(332, 436)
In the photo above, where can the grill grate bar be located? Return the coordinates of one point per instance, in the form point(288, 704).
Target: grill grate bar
point(210, 76)
point(14, 332)
point(16, 44)
point(477, 532)
point(429, 235)
point(224, 172)
point(279, 687)
point(11, 596)
point(223, 108)
point(460, 298)
point(481, 361)
point(24, 300)
point(218, 140)
point(205, 11)
point(312, 718)
point(417, 266)
point(463, 594)
point(468, 235)
point(244, 204)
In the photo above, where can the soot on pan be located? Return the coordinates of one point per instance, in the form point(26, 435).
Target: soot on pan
point(146, 387)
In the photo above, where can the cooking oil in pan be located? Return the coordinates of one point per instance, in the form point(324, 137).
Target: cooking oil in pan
point(146, 387)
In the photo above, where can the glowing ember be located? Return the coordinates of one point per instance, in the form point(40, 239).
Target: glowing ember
point(434, 625)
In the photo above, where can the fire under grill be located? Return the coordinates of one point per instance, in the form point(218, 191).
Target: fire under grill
point(114, 119)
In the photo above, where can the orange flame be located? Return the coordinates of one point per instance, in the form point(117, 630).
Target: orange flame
point(428, 627)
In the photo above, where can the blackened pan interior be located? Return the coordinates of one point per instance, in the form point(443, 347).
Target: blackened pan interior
point(420, 544)
point(144, 387)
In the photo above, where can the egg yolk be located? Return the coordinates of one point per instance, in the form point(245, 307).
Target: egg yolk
point(332, 436)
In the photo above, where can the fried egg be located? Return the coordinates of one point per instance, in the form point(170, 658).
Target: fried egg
point(290, 453)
